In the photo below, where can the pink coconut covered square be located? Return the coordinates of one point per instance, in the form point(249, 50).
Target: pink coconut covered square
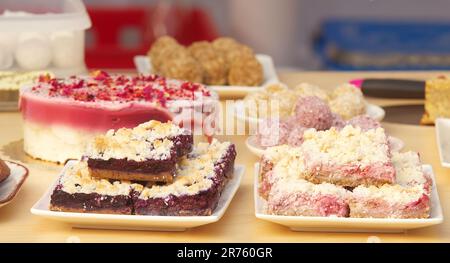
point(301, 198)
point(408, 198)
point(349, 157)
point(390, 202)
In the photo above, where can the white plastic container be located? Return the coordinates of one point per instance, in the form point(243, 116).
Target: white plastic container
point(43, 35)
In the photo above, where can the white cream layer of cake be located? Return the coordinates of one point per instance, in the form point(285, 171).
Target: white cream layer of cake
point(55, 143)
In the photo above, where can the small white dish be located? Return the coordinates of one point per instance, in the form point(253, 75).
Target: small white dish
point(339, 224)
point(443, 140)
point(11, 185)
point(374, 111)
point(144, 66)
point(258, 150)
point(139, 222)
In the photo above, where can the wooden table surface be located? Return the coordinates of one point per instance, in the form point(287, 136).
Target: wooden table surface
point(239, 224)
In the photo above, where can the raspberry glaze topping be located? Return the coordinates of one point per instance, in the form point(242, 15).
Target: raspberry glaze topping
point(100, 86)
point(101, 101)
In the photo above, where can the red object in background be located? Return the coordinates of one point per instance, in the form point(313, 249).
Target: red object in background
point(119, 34)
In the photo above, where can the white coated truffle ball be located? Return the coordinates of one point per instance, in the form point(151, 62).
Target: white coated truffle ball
point(65, 49)
point(33, 51)
point(7, 44)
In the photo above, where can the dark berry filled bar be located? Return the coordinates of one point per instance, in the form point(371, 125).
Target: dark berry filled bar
point(78, 192)
point(200, 178)
point(148, 152)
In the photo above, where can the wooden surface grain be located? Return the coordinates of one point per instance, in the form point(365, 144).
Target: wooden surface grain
point(239, 224)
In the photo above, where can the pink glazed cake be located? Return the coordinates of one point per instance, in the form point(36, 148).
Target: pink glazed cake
point(61, 116)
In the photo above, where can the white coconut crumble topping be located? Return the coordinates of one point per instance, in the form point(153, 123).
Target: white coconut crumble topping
point(77, 179)
point(393, 194)
point(408, 168)
point(194, 174)
point(150, 140)
point(276, 153)
point(351, 145)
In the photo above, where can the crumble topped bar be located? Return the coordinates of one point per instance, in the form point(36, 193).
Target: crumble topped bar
point(148, 152)
point(349, 157)
point(408, 198)
point(409, 170)
point(297, 197)
point(201, 178)
point(77, 179)
point(150, 140)
point(199, 181)
point(77, 191)
point(351, 145)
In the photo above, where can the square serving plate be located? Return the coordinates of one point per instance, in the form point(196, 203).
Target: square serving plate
point(338, 224)
point(443, 140)
point(138, 222)
point(144, 66)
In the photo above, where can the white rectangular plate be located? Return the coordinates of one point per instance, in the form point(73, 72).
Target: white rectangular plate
point(144, 66)
point(339, 224)
point(139, 222)
point(443, 140)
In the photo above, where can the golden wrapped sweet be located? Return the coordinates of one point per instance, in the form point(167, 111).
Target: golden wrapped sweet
point(163, 48)
point(224, 44)
point(183, 67)
point(222, 62)
point(211, 61)
point(245, 71)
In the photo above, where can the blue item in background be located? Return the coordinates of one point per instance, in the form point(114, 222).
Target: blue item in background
point(383, 45)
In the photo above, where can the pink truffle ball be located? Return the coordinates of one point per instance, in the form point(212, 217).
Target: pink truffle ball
point(364, 122)
point(337, 121)
point(313, 112)
point(295, 137)
point(272, 132)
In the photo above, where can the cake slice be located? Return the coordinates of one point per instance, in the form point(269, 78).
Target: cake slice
point(298, 197)
point(349, 157)
point(148, 152)
point(78, 192)
point(408, 198)
point(437, 100)
point(198, 184)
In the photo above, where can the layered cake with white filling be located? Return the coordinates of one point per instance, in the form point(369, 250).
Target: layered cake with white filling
point(148, 152)
point(62, 115)
point(437, 100)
